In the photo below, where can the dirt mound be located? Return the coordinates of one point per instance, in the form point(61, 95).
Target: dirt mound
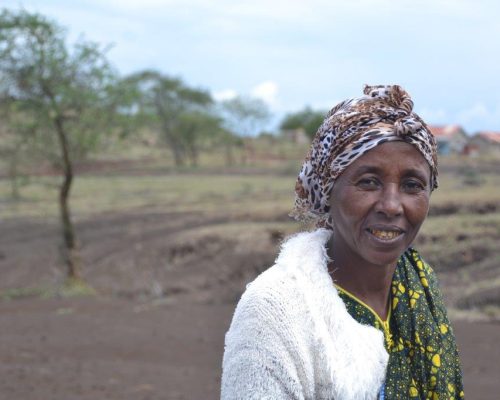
point(214, 265)
point(196, 257)
point(455, 208)
point(481, 298)
point(144, 255)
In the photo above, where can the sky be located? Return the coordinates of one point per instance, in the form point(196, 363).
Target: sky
point(445, 53)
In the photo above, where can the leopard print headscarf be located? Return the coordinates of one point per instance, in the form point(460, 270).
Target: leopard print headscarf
point(351, 128)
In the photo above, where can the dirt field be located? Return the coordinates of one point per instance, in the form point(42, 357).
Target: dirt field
point(169, 255)
point(65, 349)
point(156, 328)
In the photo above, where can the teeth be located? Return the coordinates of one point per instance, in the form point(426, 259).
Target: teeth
point(384, 235)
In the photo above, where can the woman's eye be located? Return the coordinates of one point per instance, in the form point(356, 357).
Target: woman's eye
point(413, 186)
point(368, 183)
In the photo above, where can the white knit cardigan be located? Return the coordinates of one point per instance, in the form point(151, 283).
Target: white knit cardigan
point(291, 336)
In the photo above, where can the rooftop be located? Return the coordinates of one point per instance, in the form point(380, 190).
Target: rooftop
point(445, 131)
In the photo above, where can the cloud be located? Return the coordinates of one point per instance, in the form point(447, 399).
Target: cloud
point(296, 10)
point(317, 52)
point(266, 91)
point(433, 115)
point(477, 111)
point(324, 105)
point(139, 5)
point(479, 117)
point(226, 94)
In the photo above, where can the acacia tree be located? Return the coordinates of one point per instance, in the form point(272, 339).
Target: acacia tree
point(64, 97)
point(14, 145)
point(198, 128)
point(182, 114)
point(308, 119)
point(243, 117)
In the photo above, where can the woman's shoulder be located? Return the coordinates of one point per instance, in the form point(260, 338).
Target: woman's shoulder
point(304, 247)
point(273, 290)
point(301, 259)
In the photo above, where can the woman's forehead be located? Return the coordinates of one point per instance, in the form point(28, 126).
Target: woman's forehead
point(390, 156)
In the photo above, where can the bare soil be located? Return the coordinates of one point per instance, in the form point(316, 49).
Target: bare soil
point(167, 285)
point(94, 348)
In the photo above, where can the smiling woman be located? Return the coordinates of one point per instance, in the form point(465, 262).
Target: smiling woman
point(378, 205)
point(350, 310)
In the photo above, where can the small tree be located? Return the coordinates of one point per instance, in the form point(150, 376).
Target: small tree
point(227, 140)
point(179, 112)
point(308, 119)
point(62, 95)
point(14, 145)
point(197, 128)
point(244, 117)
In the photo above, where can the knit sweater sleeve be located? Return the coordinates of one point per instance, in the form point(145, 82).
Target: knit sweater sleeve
point(261, 358)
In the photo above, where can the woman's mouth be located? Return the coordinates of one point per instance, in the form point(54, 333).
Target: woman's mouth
point(385, 234)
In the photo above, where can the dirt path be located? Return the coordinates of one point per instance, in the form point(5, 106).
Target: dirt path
point(93, 348)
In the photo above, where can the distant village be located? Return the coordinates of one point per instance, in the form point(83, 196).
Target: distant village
point(451, 139)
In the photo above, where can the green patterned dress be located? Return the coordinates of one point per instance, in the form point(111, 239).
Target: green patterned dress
point(423, 357)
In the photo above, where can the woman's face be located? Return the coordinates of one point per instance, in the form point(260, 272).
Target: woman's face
point(379, 203)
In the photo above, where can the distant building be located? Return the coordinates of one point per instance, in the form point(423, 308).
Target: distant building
point(298, 135)
point(451, 139)
point(485, 142)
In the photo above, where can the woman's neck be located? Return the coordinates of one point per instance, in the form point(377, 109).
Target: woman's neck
point(370, 283)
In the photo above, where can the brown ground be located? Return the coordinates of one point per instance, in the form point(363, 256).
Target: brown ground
point(117, 349)
point(167, 285)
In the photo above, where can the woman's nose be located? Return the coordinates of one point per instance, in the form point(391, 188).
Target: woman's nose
point(389, 203)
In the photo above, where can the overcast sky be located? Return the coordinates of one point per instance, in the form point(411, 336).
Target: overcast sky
point(291, 53)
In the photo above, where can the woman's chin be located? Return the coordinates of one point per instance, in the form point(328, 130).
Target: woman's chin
point(384, 257)
point(384, 250)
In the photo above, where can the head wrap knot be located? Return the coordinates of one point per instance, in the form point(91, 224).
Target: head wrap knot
point(350, 129)
point(406, 126)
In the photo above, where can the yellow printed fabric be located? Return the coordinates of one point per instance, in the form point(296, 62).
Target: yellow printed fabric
point(423, 356)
